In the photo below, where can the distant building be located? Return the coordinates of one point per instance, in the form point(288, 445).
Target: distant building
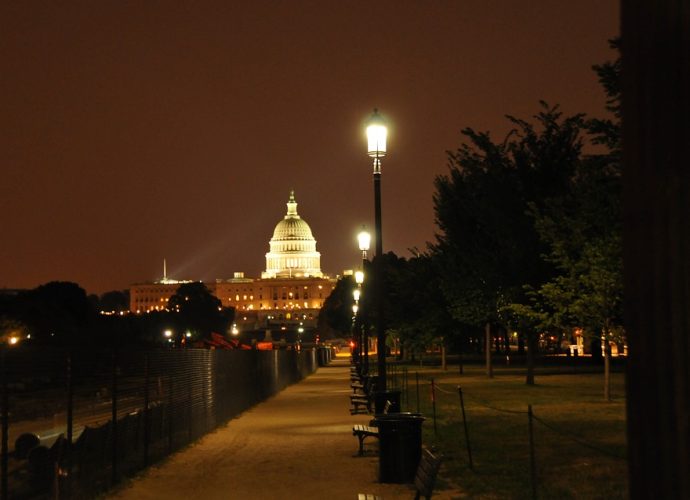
point(289, 294)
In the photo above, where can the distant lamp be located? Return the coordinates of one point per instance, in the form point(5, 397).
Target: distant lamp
point(355, 308)
point(356, 294)
point(359, 277)
point(14, 340)
point(167, 333)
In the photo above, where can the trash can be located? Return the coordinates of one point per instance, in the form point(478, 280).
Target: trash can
point(380, 398)
point(400, 446)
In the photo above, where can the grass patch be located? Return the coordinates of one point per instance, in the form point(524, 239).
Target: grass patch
point(579, 438)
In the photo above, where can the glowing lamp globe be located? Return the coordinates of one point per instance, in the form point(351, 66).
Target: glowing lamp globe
point(364, 239)
point(377, 133)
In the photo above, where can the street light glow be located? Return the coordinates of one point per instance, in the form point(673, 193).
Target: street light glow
point(359, 277)
point(356, 294)
point(377, 132)
point(364, 239)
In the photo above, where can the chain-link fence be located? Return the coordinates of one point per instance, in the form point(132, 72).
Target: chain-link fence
point(75, 423)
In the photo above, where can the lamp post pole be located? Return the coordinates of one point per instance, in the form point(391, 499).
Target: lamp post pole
point(364, 240)
point(376, 135)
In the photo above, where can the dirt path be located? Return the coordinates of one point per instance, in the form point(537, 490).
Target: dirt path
point(298, 444)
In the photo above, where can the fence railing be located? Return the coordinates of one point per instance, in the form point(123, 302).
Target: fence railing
point(75, 423)
point(459, 412)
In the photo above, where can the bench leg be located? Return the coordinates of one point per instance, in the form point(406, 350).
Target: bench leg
point(361, 445)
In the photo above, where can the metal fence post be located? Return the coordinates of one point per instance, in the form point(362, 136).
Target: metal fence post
point(147, 416)
point(433, 404)
point(70, 425)
point(532, 460)
point(406, 389)
point(416, 376)
point(464, 424)
point(5, 427)
point(170, 412)
point(114, 419)
point(190, 382)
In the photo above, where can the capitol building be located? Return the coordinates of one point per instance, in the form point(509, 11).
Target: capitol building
point(289, 294)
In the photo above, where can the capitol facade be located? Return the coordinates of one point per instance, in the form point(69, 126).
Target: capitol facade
point(289, 294)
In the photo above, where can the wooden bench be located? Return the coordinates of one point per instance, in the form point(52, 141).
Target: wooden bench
point(424, 480)
point(364, 431)
point(363, 401)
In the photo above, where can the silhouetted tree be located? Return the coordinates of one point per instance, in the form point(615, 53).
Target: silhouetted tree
point(487, 243)
point(197, 310)
point(57, 312)
point(337, 308)
point(115, 300)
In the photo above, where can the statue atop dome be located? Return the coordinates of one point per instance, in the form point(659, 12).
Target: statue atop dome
point(292, 248)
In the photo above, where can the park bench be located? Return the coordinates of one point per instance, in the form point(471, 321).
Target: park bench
point(424, 479)
point(363, 401)
point(364, 431)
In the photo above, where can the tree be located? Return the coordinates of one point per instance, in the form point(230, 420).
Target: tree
point(199, 311)
point(416, 309)
point(487, 243)
point(337, 308)
point(115, 300)
point(582, 231)
point(58, 312)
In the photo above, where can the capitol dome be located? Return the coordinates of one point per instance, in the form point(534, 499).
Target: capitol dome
point(292, 248)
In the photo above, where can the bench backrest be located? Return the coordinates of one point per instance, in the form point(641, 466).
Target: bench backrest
point(427, 470)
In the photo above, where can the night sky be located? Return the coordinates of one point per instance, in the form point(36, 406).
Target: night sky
point(137, 131)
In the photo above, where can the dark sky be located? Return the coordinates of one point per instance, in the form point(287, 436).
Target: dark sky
point(134, 131)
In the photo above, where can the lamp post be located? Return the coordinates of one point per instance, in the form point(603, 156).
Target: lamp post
point(364, 241)
point(376, 140)
point(363, 341)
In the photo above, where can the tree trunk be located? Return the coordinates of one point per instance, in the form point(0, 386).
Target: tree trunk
point(656, 218)
point(444, 366)
point(607, 362)
point(531, 348)
point(607, 372)
point(487, 348)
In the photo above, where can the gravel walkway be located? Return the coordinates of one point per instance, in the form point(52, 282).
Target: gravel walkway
point(298, 444)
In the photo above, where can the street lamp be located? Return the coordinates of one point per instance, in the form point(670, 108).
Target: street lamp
point(359, 277)
point(364, 240)
point(377, 133)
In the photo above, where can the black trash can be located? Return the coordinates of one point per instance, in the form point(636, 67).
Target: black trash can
point(380, 398)
point(400, 446)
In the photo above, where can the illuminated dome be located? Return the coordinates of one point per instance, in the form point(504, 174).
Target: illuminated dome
point(293, 248)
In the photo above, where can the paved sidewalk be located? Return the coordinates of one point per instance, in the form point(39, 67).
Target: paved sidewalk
point(298, 444)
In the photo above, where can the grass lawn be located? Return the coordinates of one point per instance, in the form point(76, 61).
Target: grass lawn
point(579, 438)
